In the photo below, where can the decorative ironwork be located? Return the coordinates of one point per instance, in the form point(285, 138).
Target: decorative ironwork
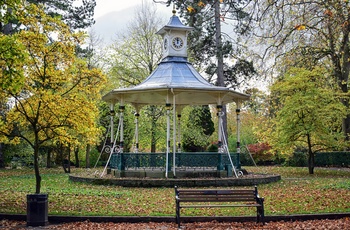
point(107, 149)
point(124, 161)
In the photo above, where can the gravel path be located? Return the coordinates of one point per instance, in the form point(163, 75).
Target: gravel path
point(340, 224)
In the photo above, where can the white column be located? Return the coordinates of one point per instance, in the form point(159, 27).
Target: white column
point(219, 111)
point(121, 143)
point(112, 113)
point(238, 111)
point(168, 107)
point(137, 115)
point(174, 134)
point(179, 133)
point(179, 109)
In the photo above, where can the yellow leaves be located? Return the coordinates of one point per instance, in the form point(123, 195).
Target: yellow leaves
point(60, 90)
point(300, 27)
point(191, 9)
point(328, 13)
point(12, 56)
point(201, 4)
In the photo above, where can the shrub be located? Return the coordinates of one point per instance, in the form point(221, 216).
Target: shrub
point(336, 159)
point(297, 159)
point(261, 152)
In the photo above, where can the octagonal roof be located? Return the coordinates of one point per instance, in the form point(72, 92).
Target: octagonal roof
point(175, 76)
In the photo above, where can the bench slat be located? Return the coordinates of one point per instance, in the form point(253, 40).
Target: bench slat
point(218, 198)
point(206, 192)
point(218, 206)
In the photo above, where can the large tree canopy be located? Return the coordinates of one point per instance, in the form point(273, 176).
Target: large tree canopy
point(57, 100)
point(308, 114)
point(211, 48)
point(77, 14)
point(311, 33)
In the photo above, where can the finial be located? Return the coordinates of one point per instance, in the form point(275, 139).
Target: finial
point(174, 11)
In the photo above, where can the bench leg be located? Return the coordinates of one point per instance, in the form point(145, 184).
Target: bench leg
point(260, 216)
point(178, 214)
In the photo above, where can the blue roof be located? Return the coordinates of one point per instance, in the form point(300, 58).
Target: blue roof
point(175, 72)
point(174, 23)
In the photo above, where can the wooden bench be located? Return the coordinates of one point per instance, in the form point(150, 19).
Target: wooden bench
point(214, 198)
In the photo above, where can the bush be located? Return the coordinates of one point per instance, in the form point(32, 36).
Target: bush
point(322, 159)
point(297, 159)
point(261, 153)
point(336, 159)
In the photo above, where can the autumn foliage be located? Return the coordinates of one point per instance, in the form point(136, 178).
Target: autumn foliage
point(260, 152)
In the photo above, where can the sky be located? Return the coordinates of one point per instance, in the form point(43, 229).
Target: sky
point(112, 16)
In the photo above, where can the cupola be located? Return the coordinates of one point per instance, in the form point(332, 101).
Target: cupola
point(175, 37)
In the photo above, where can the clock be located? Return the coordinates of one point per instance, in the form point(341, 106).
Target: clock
point(177, 42)
point(165, 44)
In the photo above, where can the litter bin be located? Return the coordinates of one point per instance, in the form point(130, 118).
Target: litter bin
point(37, 209)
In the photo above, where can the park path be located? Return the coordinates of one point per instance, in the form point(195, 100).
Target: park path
point(340, 224)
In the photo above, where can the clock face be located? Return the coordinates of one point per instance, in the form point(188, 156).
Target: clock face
point(177, 43)
point(165, 44)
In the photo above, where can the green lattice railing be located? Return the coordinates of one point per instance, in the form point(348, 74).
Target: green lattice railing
point(122, 161)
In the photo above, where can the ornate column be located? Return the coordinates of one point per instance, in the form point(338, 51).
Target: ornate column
point(220, 132)
point(121, 143)
point(179, 133)
point(238, 111)
point(112, 113)
point(137, 115)
point(168, 108)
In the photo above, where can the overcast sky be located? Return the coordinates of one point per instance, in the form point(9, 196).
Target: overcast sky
point(112, 16)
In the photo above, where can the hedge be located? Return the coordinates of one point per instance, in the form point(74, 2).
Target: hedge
point(338, 159)
point(300, 159)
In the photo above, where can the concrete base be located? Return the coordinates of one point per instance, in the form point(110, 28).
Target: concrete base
point(178, 174)
point(152, 180)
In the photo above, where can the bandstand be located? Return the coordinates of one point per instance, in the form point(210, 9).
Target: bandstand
point(174, 84)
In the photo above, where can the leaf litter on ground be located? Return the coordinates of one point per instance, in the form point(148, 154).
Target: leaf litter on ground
point(325, 224)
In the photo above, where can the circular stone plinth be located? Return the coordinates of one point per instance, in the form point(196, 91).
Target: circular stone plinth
point(245, 180)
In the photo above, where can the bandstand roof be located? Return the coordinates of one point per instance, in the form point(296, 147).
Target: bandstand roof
point(174, 76)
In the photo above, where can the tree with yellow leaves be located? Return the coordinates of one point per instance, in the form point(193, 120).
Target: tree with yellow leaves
point(57, 101)
point(308, 116)
point(309, 33)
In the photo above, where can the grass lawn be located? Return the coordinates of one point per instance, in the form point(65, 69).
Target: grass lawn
point(327, 191)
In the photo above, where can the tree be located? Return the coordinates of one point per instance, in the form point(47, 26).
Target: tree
point(136, 54)
point(57, 103)
point(308, 114)
point(211, 47)
point(316, 32)
point(12, 56)
point(77, 14)
point(212, 50)
point(197, 128)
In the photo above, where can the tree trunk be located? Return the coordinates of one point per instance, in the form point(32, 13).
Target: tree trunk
point(48, 158)
point(311, 162)
point(66, 160)
point(220, 67)
point(36, 169)
point(87, 156)
point(153, 136)
point(2, 162)
point(311, 155)
point(76, 154)
point(68, 166)
point(346, 129)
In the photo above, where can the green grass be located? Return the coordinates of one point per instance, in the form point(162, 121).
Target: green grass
point(327, 191)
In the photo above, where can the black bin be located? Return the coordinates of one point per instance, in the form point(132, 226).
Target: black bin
point(37, 209)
